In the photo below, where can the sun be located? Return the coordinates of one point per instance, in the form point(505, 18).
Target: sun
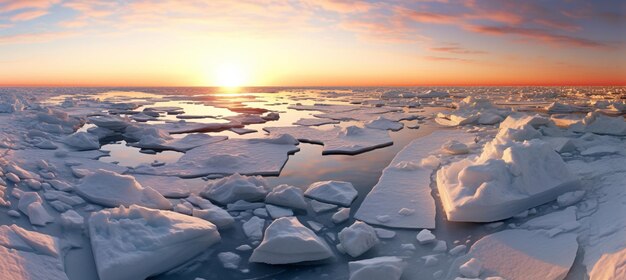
point(230, 75)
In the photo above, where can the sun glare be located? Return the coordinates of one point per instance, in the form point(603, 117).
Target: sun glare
point(230, 75)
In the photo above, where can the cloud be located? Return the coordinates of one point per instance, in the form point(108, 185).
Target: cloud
point(28, 15)
point(449, 59)
point(30, 38)
point(537, 34)
point(456, 49)
point(15, 5)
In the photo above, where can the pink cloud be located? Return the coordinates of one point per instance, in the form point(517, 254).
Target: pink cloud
point(28, 15)
point(537, 34)
point(35, 37)
point(14, 5)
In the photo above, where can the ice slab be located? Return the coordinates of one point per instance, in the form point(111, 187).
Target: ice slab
point(380, 268)
point(184, 144)
point(112, 189)
point(263, 156)
point(26, 255)
point(334, 192)
point(499, 185)
point(314, 122)
point(288, 241)
point(236, 187)
point(348, 140)
point(287, 196)
point(358, 238)
point(405, 184)
point(521, 254)
point(137, 242)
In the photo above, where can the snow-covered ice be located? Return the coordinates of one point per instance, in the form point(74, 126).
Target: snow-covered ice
point(112, 189)
point(358, 238)
point(137, 242)
point(334, 192)
point(288, 241)
point(380, 268)
point(405, 184)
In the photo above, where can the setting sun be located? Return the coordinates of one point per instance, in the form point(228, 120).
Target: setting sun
point(230, 75)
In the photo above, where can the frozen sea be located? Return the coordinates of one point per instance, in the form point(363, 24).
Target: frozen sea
point(526, 161)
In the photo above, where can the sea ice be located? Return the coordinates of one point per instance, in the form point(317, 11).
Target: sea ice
point(112, 189)
point(384, 124)
point(263, 156)
point(405, 184)
point(520, 254)
point(358, 238)
point(236, 187)
point(137, 242)
point(380, 268)
point(507, 178)
point(253, 228)
point(349, 140)
point(335, 192)
point(288, 241)
point(287, 196)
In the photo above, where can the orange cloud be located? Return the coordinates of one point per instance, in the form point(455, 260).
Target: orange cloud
point(537, 34)
point(28, 15)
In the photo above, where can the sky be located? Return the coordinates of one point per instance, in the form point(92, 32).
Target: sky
point(312, 43)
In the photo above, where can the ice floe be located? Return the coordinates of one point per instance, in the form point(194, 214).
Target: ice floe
point(288, 241)
point(263, 156)
point(112, 189)
point(358, 238)
point(334, 192)
point(380, 268)
point(236, 187)
point(137, 242)
point(405, 184)
point(338, 140)
point(518, 254)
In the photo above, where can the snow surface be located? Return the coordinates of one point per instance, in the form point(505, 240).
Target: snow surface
point(112, 189)
point(137, 242)
point(334, 192)
point(507, 178)
point(520, 254)
point(263, 156)
point(405, 184)
point(348, 140)
point(288, 241)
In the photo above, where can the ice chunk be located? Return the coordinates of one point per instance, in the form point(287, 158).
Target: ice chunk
point(288, 196)
point(236, 187)
point(319, 207)
point(111, 189)
point(137, 242)
point(380, 268)
point(521, 254)
point(384, 124)
point(288, 241)
point(342, 215)
point(253, 228)
point(349, 140)
point(30, 203)
point(263, 156)
point(496, 187)
point(277, 212)
point(454, 147)
point(601, 124)
point(385, 234)
point(335, 192)
point(82, 141)
point(314, 121)
point(71, 219)
point(29, 255)
point(190, 141)
point(229, 260)
point(111, 122)
point(570, 198)
point(471, 268)
point(425, 236)
point(358, 238)
point(405, 183)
